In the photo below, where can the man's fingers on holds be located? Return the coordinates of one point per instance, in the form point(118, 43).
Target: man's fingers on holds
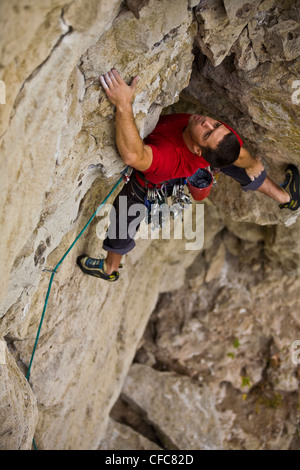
point(113, 78)
point(103, 82)
point(107, 78)
point(134, 82)
point(116, 75)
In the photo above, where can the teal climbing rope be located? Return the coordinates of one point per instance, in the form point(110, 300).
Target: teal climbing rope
point(123, 177)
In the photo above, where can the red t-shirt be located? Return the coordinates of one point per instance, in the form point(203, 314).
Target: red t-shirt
point(171, 156)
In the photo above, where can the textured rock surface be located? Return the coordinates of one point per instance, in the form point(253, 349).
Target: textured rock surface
point(58, 162)
point(121, 437)
point(182, 412)
point(233, 324)
point(18, 410)
point(233, 333)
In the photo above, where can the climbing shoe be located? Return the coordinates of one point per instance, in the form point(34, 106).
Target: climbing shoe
point(291, 186)
point(95, 267)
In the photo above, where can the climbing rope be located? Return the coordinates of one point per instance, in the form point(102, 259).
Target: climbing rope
point(124, 177)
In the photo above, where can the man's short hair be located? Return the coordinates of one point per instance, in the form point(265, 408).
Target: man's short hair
point(226, 153)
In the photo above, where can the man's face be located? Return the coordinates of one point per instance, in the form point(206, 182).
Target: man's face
point(205, 131)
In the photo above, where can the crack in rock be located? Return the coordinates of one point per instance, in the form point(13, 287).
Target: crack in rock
point(20, 95)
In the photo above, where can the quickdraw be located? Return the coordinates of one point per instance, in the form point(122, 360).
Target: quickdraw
point(158, 207)
point(126, 173)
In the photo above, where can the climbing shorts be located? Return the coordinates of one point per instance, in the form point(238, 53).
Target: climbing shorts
point(123, 240)
point(240, 175)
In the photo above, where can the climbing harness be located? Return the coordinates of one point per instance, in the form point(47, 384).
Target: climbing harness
point(125, 177)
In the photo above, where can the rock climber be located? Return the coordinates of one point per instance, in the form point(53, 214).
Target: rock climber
point(178, 146)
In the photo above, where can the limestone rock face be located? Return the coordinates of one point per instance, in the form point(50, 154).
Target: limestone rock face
point(18, 410)
point(121, 437)
point(59, 161)
point(237, 61)
point(226, 19)
point(175, 425)
point(253, 85)
point(233, 333)
point(233, 326)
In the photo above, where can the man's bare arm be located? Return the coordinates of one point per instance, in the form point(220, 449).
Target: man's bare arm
point(252, 166)
point(131, 147)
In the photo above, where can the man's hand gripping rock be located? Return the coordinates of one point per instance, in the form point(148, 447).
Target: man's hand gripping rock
point(118, 92)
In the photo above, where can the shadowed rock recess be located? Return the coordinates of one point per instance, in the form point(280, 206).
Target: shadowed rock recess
point(191, 348)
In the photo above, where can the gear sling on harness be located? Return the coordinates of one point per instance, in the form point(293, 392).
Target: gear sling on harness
point(199, 186)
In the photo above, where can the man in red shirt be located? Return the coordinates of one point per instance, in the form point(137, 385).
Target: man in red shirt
point(178, 146)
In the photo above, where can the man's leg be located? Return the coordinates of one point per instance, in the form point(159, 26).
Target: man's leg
point(112, 262)
point(287, 196)
point(120, 240)
point(271, 189)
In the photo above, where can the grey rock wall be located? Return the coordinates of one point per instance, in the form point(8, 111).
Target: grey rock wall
point(238, 61)
point(233, 325)
point(59, 161)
